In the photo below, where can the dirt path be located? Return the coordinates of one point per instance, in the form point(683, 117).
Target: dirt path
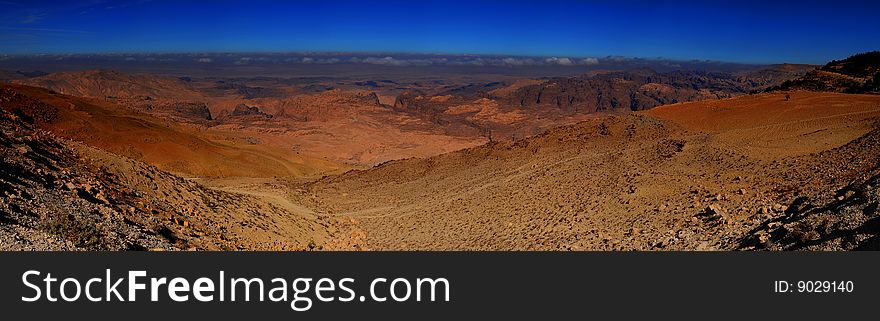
point(277, 199)
point(258, 188)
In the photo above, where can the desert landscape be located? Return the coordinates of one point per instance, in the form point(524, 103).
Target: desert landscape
point(153, 125)
point(610, 154)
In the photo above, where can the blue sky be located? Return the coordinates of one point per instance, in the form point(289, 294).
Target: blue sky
point(738, 31)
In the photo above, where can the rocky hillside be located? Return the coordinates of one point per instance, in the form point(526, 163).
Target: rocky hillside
point(863, 65)
point(856, 74)
point(56, 194)
point(753, 172)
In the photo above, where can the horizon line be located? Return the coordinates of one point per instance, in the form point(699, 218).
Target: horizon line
point(379, 53)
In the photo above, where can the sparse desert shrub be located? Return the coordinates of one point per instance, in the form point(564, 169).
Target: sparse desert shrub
point(82, 233)
point(487, 132)
point(603, 129)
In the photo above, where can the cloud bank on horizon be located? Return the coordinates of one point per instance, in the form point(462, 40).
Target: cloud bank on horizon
point(329, 58)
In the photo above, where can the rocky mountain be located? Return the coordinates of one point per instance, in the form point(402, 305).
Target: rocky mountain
point(102, 83)
point(857, 74)
point(643, 89)
point(863, 65)
point(528, 106)
point(165, 97)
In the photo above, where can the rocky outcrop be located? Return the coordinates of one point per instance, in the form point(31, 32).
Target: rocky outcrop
point(242, 110)
point(196, 112)
point(366, 98)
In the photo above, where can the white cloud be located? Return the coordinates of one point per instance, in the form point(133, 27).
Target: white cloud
point(243, 61)
point(204, 60)
point(510, 61)
point(559, 61)
point(385, 61)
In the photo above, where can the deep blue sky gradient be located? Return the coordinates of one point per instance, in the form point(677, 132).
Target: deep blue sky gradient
point(739, 31)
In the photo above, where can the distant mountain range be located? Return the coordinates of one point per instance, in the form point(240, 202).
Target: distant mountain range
point(368, 65)
point(645, 89)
